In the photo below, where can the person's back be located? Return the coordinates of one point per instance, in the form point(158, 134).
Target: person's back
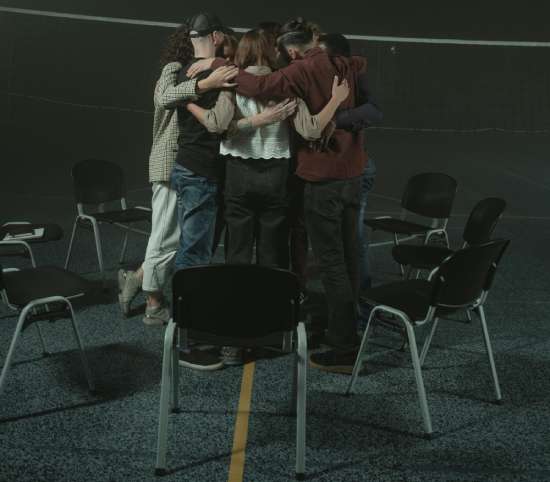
point(345, 147)
point(198, 149)
point(310, 76)
point(266, 142)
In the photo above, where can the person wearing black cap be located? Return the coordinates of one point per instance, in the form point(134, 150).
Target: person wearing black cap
point(197, 172)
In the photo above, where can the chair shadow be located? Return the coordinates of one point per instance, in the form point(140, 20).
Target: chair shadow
point(119, 371)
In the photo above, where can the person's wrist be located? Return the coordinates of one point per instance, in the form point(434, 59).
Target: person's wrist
point(259, 120)
point(204, 84)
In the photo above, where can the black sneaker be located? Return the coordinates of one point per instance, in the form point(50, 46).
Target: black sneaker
point(336, 361)
point(200, 360)
point(232, 355)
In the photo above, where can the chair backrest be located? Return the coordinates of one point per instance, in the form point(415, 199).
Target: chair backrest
point(430, 194)
point(235, 304)
point(461, 279)
point(493, 270)
point(483, 220)
point(97, 181)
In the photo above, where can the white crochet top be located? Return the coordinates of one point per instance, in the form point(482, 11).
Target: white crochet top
point(266, 142)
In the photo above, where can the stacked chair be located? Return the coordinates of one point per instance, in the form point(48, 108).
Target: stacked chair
point(461, 281)
point(430, 195)
point(478, 230)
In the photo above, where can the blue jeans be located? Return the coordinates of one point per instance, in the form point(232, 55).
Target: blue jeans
point(197, 208)
point(367, 181)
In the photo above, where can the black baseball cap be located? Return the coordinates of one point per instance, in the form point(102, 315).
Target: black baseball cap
point(203, 24)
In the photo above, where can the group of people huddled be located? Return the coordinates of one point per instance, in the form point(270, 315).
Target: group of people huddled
point(262, 136)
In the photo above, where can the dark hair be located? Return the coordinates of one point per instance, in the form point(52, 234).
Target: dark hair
point(254, 48)
point(294, 32)
point(230, 43)
point(178, 47)
point(336, 44)
point(271, 30)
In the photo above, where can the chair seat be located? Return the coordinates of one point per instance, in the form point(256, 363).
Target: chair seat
point(52, 232)
point(422, 257)
point(398, 226)
point(30, 284)
point(13, 250)
point(411, 297)
point(131, 215)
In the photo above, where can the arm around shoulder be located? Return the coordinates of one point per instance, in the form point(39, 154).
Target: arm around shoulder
point(168, 93)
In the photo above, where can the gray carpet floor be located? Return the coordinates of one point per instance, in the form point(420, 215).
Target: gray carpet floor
point(51, 428)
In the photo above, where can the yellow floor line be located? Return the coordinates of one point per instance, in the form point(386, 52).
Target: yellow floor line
point(236, 469)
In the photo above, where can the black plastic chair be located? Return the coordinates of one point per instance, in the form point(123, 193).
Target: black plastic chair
point(461, 282)
point(234, 305)
point(478, 230)
point(16, 238)
point(41, 294)
point(430, 195)
point(98, 182)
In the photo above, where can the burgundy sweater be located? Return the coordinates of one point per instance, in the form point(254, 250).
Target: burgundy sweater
point(310, 78)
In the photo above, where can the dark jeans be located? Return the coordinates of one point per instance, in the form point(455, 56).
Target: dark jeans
point(298, 233)
point(331, 213)
point(256, 210)
point(367, 182)
point(197, 209)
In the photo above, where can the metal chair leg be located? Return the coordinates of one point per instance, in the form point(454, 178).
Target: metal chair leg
point(45, 351)
point(360, 353)
point(97, 240)
point(11, 350)
point(489, 350)
point(294, 387)
point(82, 349)
point(124, 247)
point(419, 380)
point(427, 342)
point(69, 251)
point(175, 376)
point(301, 403)
point(165, 387)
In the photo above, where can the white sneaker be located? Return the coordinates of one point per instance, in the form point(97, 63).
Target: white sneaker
point(129, 285)
point(156, 316)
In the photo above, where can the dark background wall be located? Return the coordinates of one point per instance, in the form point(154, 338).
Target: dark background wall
point(71, 89)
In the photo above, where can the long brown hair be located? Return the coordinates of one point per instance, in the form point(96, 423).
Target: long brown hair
point(178, 47)
point(254, 49)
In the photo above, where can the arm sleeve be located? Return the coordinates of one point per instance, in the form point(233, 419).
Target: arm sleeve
point(279, 85)
point(219, 117)
point(366, 114)
point(168, 93)
point(306, 125)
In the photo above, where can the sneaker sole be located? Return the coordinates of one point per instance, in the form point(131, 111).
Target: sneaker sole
point(346, 369)
point(150, 321)
point(202, 368)
point(233, 363)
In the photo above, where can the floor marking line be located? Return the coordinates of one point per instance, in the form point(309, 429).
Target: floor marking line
point(375, 38)
point(236, 469)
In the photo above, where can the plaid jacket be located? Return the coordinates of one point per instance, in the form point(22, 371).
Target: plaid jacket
point(168, 93)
